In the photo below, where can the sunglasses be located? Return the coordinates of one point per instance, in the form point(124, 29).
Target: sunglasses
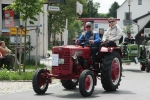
point(111, 21)
point(88, 26)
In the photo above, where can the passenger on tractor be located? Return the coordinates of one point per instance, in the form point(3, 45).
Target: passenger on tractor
point(113, 34)
point(129, 38)
point(92, 39)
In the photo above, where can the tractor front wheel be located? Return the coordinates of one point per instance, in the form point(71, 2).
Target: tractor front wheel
point(143, 66)
point(111, 71)
point(39, 82)
point(86, 83)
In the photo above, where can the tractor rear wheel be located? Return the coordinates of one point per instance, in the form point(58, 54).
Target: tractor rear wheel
point(111, 71)
point(143, 66)
point(143, 56)
point(148, 66)
point(69, 84)
point(39, 82)
point(86, 83)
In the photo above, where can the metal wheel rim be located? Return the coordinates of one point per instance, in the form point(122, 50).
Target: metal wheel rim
point(88, 83)
point(115, 71)
point(41, 82)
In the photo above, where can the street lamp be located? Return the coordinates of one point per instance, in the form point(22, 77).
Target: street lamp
point(129, 3)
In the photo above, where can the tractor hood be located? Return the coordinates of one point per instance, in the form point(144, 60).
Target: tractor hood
point(72, 50)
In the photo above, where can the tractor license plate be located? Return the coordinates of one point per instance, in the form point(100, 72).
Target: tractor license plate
point(55, 58)
point(61, 61)
point(134, 51)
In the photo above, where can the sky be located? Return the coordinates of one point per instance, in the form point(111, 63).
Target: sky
point(106, 4)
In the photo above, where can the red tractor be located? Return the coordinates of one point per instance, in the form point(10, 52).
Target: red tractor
point(72, 65)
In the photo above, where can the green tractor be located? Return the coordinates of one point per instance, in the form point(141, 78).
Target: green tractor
point(135, 53)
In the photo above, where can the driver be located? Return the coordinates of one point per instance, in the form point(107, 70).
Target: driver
point(129, 38)
point(92, 38)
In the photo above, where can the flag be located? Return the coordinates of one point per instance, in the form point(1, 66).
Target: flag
point(79, 8)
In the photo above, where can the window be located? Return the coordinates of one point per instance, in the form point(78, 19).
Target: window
point(128, 16)
point(139, 2)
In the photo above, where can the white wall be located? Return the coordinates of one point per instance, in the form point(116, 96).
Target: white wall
point(7, 1)
point(135, 9)
point(42, 35)
point(143, 21)
point(104, 25)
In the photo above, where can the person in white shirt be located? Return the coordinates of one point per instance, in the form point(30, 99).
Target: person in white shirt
point(112, 35)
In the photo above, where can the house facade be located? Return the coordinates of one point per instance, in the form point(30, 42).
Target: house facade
point(14, 20)
point(128, 12)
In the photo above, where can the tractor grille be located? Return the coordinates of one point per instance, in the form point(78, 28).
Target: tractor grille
point(63, 69)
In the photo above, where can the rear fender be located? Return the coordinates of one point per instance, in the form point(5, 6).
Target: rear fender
point(109, 50)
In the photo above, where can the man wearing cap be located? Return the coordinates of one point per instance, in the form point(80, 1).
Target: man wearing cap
point(92, 39)
point(129, 38)
point(113, 34)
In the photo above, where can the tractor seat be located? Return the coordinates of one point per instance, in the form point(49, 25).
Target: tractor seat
point(125, 43)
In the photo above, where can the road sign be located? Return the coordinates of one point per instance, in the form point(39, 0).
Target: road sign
point(53, 8)
point(13, 31)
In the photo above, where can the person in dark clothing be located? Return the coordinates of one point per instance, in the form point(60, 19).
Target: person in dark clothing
point(92, 40)
point(129, 38)
point(100, 34)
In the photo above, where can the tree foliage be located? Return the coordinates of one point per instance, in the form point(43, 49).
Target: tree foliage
point(73, 29)
point(92, 9)
point(27, 8)
point(57, 20)
point(128, 28)
point(67, 11)
point(102, 15)
point(113, 10)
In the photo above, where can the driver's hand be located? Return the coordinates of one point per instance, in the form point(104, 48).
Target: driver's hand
point(103, 41)
point(91, 41)
point(109, 40)
point(76, 42)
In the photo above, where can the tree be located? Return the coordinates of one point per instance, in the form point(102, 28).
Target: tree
point(127, 28)
point(102, 15)
point(28, 10)
point(113, 10)
point(57, 20)
point(73, 29)
point(92, 9)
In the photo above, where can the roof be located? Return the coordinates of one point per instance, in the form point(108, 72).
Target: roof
point(142, 30)
point(122, 4)
point(135, 20)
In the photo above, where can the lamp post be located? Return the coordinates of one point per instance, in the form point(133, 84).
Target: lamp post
point(129, 4)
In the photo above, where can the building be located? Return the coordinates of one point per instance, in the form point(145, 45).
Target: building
point(14, 20)
point(130, 14)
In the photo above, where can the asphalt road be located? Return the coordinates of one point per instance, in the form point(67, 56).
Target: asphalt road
point(135, 85)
